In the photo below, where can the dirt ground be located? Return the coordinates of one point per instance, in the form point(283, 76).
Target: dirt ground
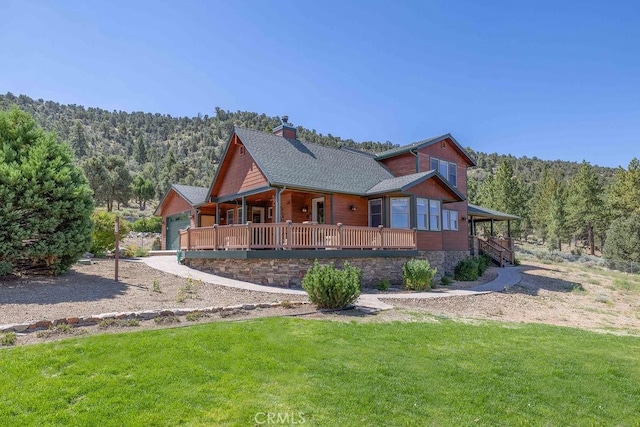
point(564, 294)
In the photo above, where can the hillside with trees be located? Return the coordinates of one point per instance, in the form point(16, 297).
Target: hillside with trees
point(133, 157)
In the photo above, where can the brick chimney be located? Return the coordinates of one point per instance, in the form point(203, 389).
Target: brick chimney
point(285, 130)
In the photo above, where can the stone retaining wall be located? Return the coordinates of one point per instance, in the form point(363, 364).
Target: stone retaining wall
point(137, 315)
point(288, 272)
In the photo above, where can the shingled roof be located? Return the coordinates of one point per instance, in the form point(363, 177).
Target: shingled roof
point(424, 143)
point(193, 195)
point(311, 166)
point(402, 183)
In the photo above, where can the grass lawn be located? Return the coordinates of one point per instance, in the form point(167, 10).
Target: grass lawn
point(326, 373)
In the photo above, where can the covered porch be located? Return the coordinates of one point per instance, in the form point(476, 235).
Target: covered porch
point(500, 249)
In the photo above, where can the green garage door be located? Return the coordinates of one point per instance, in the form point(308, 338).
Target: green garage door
point(176, 223)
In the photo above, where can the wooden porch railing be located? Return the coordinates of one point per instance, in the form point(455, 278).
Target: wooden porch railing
point(495, 250)
point(291, 235)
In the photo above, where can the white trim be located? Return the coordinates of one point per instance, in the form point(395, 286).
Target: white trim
point(314, 210)
point(260, 210)
point(381, 212)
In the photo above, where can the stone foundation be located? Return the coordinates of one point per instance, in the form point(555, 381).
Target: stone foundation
point(288, 272)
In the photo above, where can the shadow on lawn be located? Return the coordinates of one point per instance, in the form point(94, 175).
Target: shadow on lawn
point(71, 287)
point(532, 283)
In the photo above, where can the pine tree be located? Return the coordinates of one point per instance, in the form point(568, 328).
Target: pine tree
point(45, 202)
point(585, 206)
point(140, 151)
point(79, 140)
point(142, 190)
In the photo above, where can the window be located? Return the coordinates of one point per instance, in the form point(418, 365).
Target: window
point(230, 213)
point(242, 150)
point(434, 215)
point(399, 212)
point(422, 211)
point(448, 170)
point(240, 216)
point(270, 212)
point(449, 220)
point(375, 212)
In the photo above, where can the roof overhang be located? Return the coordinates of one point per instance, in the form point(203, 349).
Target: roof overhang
point(480, 214)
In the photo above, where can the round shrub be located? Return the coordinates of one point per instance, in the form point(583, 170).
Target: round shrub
point(418, 274)
point(329, 287)
point(467, 269)
point(103, 236)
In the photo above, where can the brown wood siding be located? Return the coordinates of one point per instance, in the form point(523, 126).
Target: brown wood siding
point(429, 240)
point(457, 240)
point(239, 173)
point(430, 189)
point(174, 204)
point(404, 164)
point(449, 153)
point(343, 214)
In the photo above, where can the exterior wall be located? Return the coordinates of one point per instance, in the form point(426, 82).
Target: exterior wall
point(429, 240)
point(240, 173)
point(404, 164)
point(343, 214)
point(174, 204)
point(449, 153)
point(457, 240)
point(288, 272)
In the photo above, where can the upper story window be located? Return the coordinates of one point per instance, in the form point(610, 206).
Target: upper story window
point(447, 169)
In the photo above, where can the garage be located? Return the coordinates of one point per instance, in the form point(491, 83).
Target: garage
point(175, 223)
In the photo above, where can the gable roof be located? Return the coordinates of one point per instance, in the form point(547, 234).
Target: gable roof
point(425, 143)
point(193, 195)
point(486, 214)
point(294, 163)
point(402, 183)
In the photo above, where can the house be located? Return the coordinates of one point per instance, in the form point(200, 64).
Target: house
point(278, 199)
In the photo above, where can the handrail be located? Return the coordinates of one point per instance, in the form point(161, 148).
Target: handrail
point(506, 245)
point(289, 235)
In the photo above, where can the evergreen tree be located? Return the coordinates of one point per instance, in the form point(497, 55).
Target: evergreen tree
point(45, 202)
point(585, 206)
point(142, 190)
point(79, 140)
point(140, 151)
point(110, 180)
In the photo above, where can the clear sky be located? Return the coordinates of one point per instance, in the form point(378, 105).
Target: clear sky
point(552, 79)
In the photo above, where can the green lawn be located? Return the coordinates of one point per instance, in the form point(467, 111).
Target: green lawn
point(327, 373)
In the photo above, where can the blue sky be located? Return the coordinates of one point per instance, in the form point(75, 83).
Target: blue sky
point(556, 80)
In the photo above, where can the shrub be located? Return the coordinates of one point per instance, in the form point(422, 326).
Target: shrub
point(329, 287)
point(9, 338)
point(446, 281)
point(383, 285)
point(148, 225)
point(103, 235)
point(45, 201)
point(156, 245)
point(418, 274)
point(467, 269)
point(483, 264)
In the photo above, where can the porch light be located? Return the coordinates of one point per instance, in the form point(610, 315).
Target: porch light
point(305, 209)
point(353, 208)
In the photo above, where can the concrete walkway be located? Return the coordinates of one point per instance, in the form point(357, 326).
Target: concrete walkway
point(507, 277)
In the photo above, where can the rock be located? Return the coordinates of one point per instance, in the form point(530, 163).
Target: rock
point(148, 314)
point(233, 307)
point(62, 321)
point(248, 306)
point(264, 305)
point(44, 324)
point(84, 261)
point(7, 328)
point(88, 255)
point(21, 327)
point(72, 320)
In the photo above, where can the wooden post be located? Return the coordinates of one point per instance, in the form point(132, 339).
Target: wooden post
point(289, 234)
point(117, 235)
point(248, 235)
point(380, 227)
point(188, 238)
point(340, 235)
point(215, 237)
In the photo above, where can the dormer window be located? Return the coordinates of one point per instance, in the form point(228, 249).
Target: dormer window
point(448, 170)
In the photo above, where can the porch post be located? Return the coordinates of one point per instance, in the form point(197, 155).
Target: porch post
point(278, 219)
point(509, 228)
point(243, 220)
point(217, 213)
point(491, 227)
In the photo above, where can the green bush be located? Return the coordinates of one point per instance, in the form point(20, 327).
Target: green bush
point(148, 225)
point(446, 281)
point(383, 285)
point(467, 269)
point(329, 287)
point(45, 201)
point(103, 235)
point(418, 274)
point(483, 264)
